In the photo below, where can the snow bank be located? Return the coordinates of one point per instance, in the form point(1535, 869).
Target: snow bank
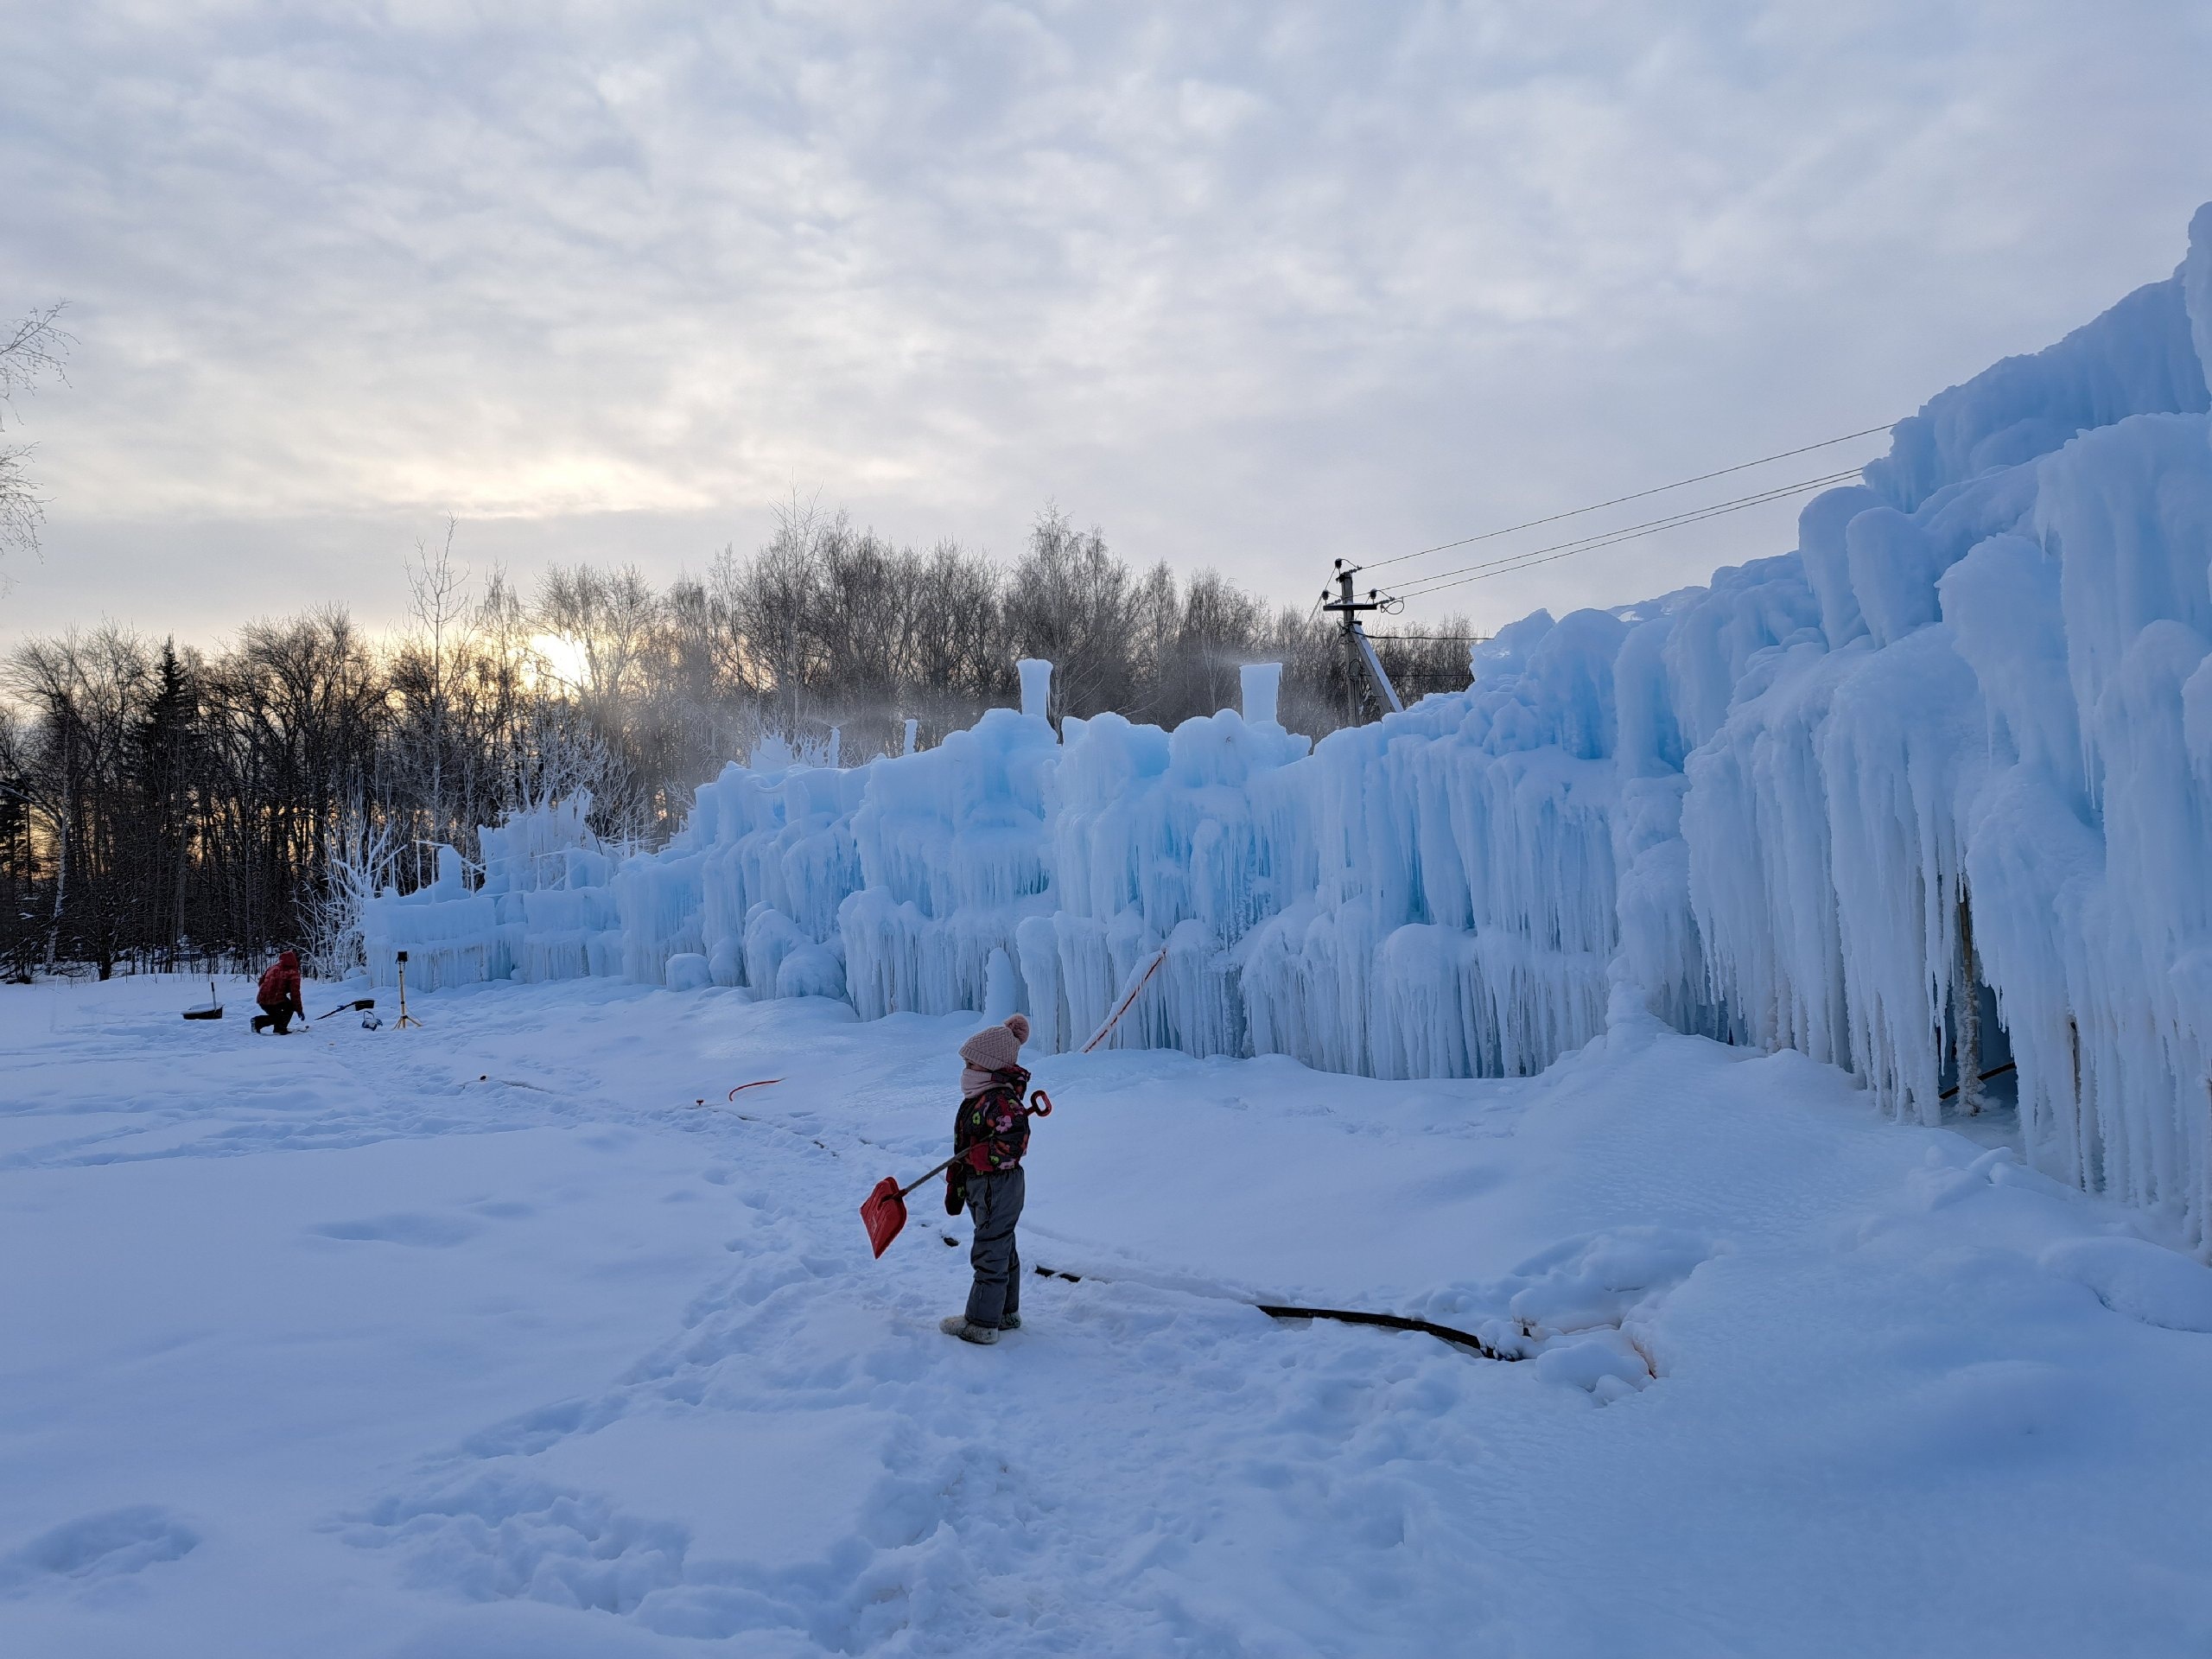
point(1926, 798)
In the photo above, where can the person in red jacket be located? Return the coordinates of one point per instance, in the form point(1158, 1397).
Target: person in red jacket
point(279, 995)
point(988, 1139)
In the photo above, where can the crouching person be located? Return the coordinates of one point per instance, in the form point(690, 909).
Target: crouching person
point(279, 995)
point(988, 1139)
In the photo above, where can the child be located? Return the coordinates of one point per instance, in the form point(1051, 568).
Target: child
point(989, 1138)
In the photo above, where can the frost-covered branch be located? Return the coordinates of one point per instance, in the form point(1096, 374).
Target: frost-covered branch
point(361, 862)
point(36, 348)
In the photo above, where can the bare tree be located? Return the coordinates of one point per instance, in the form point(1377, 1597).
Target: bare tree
point(361, 862)
point(771, 601)
point(430, 677)
point(1218, 627)
point(1071, 601)
point(299, 710)
point(607, 618)
point(562, 757)
point(85, 691)
point(36, 347)
point(963, 653)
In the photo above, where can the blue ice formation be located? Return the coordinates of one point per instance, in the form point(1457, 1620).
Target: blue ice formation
point(1929, 794)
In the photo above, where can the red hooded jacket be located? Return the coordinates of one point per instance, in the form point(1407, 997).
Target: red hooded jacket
point(280, 985)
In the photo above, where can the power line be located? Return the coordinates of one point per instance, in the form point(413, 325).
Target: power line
point(1687, 516)
point(1567, 550)
point(1680, 483)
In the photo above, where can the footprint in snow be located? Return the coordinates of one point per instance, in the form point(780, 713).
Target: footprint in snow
point(2143, 1280)
point(423, 1231)
point(103, 1546)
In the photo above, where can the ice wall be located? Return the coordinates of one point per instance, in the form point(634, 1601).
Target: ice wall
point(1163, 839)
point(1955, 823)
point(1928, 796)
point(542, 910)
point(952, 852)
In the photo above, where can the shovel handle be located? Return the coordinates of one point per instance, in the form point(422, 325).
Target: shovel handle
point(939, 1170)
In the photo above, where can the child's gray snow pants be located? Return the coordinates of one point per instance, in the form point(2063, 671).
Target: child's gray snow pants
point(994, 1204)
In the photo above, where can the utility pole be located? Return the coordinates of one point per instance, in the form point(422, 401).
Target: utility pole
point(1348, 609)
point(1360, 661)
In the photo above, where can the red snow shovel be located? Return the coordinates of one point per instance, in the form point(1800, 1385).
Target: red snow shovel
point(883, 1212)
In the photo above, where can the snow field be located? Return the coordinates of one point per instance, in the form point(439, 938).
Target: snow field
point(483, 1339)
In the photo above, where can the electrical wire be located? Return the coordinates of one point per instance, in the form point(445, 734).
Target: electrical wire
point(1687, 516)
point(1661, 489)
point(1511, 562)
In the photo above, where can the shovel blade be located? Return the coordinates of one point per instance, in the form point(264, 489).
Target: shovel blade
point(883, 1212)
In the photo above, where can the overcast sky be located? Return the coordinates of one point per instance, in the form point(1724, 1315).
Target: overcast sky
point(1247, 286)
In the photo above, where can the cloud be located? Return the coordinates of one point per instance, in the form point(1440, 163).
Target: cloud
point(1251, 285)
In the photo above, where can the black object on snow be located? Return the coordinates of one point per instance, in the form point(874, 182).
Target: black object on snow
point(1466, 1339)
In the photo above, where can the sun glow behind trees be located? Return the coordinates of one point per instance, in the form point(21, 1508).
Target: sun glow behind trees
point(556, 662)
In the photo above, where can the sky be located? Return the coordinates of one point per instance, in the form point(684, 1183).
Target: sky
point(1251, 287)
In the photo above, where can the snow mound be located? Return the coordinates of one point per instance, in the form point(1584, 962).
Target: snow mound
point(2139, 1279)
point(689, 971)
point(1602, 1278)
point(1584, 1309)
point(1605, 1364)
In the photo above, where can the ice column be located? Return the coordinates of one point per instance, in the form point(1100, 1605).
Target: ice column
point(1257, 684)
point(1036, 686)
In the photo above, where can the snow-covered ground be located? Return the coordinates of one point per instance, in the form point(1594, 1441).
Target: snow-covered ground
point(483, 1340)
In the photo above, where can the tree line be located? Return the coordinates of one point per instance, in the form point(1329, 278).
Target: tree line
point(163, 806)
